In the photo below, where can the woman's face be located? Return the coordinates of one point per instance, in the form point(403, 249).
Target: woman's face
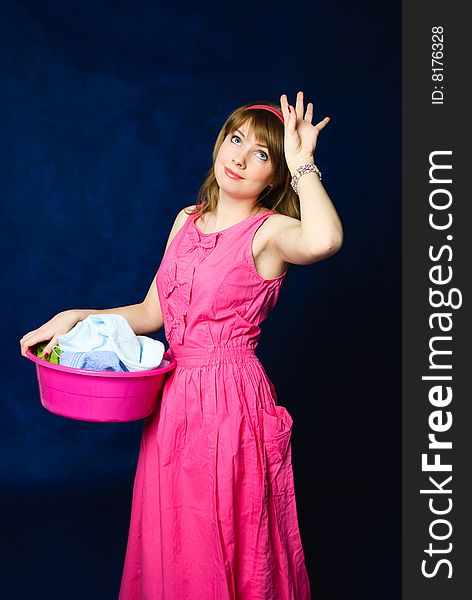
point(243, 167)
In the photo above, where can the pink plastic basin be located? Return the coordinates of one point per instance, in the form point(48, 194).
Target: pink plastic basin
point(100, 396)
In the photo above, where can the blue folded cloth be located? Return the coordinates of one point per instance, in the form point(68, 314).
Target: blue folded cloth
point(94, 360)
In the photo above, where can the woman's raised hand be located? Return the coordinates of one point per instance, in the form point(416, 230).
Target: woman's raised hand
point(300, 135)
point(58, 325)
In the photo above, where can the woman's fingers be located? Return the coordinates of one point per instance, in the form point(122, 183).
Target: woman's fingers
point(309, 112)
point(27, 335)
point(32, 338)
point(323, 123)
point(290, 117)
point(49, 332)
point(298, 109)
point(48, 348)
point(25, 342)
point(299, 105)
point(284, 107)
point(24, 347)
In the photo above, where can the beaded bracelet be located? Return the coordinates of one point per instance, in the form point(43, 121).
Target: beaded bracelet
point(301, 171)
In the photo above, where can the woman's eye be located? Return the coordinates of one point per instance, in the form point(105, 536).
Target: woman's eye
point(263, 155)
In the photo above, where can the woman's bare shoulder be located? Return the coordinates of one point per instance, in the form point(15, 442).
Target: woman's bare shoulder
point(179, 221)
point(187, 210)
point(183, 215)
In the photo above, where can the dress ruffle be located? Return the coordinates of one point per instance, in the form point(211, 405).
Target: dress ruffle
point(178, 281)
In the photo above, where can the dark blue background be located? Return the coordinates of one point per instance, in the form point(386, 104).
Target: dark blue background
point(108, 114)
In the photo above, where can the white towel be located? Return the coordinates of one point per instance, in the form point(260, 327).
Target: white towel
point(112, 332)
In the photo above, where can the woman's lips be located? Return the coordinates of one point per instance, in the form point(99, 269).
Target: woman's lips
point(232, 174)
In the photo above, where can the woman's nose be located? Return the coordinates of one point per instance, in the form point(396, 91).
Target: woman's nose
point(238, 159)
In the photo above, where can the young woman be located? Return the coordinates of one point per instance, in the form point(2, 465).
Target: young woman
point(214, 511)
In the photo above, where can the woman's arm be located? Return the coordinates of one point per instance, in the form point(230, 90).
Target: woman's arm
point(143, 318)
point(320, 233)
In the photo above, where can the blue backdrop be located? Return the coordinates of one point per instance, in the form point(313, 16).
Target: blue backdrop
point(108, 113)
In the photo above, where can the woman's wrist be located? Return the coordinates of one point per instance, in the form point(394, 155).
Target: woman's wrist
point(294, 165)
point(301, 170)
point(78, 314)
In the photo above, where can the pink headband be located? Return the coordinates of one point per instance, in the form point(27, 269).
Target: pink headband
point(266, 107)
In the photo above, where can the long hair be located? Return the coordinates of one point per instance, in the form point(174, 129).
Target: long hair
point(269, 130)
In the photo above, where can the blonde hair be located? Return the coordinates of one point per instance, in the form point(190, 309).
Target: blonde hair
point(269, 130)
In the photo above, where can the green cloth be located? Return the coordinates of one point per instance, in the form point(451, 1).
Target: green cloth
point(53, 357)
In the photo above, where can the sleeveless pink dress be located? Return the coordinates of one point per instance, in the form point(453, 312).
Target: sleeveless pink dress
point(214, 514)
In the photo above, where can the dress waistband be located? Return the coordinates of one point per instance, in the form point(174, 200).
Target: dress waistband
point(196, 357)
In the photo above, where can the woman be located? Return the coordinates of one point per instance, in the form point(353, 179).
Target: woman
point(214, 512)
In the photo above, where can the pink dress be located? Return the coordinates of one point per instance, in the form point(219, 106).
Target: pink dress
point(214, 514)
